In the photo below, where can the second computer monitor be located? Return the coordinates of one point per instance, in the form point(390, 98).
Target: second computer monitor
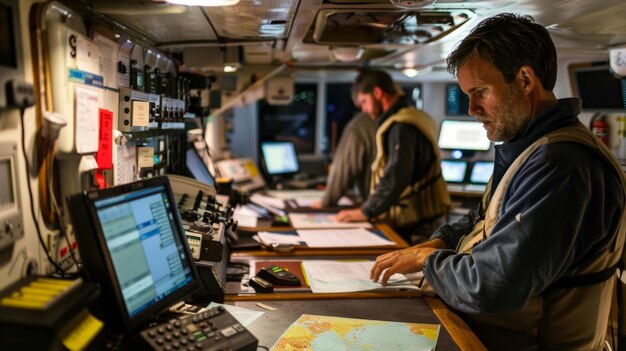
point(279, 158)
point(481, 172)
point(453, 171)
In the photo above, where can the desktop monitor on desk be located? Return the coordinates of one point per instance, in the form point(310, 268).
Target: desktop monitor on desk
point(279, 159)
point(454, 171)
point(132, 243)
point(464, 136)
point(197, 169)
point(481, 172)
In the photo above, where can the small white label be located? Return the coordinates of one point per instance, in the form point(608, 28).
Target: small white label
point(618, 60)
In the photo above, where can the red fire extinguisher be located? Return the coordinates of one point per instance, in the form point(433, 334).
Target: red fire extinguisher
point(600, 127)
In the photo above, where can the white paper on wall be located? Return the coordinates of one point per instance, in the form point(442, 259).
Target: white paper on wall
point(87, 126)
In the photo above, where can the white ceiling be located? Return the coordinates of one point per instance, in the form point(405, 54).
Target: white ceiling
point(274, 32)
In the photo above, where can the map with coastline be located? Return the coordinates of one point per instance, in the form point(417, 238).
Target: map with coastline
point(323, 333)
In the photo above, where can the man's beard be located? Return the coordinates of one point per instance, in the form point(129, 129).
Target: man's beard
point(508, 119)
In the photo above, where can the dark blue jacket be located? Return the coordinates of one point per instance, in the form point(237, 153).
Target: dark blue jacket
point(570, 200)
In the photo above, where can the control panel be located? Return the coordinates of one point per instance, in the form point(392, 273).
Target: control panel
point(11, 225)
point(206, 221)
point(213, 329)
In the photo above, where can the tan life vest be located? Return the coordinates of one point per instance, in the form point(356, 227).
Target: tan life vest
point(428, 197)
point(575, 317)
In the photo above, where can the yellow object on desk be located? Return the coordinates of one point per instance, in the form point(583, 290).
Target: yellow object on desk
point(38, 294)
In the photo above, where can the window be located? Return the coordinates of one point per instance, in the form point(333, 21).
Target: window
point(340, 109)
point(457, 103)
point(294, 122)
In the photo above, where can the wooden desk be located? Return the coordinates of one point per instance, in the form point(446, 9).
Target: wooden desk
point(347, 251)
point(455, 334)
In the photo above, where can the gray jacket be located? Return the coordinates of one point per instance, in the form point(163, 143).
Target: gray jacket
point(352, 160)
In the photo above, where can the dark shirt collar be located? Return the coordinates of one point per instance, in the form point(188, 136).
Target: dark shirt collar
point(563, 113)
point(399, 104)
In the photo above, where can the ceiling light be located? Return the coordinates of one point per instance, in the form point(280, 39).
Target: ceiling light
point(204, 2)
point(413, 72)
point(412, 4)
point(410, 72)
point(346, 53)
point(231, 68)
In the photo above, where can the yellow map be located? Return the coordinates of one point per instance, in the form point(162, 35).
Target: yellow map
point(322, 333)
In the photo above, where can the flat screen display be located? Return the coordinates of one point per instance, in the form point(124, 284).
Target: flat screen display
point(453, 171)
point(7, 38)
point(481, 172)
point(133, 244)
point(7, 198)
point(463, 135)
point(599, 89)
point(279, 157)
point(144, 245)
point(197, 168)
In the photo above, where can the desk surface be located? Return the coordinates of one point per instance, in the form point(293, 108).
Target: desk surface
point(455, 335)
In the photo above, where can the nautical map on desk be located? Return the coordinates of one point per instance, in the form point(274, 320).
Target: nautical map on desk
point(322, 333)
point(322, 220)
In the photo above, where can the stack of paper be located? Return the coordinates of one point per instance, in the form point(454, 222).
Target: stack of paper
point(325, 238)
point(349, 276)
point(322, 220)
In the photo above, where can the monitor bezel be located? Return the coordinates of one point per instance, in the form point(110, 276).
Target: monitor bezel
point(188, 169)
point(264, 165)
point(101, 269)
point(448, 147)
point(465, 173)
point(575, 69)
point(14, 71)
point(471, 171)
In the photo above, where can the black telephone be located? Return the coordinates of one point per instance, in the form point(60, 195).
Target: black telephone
point(212, 329)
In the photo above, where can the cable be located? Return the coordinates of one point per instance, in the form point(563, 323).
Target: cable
point(30, 194)
point(57, 211)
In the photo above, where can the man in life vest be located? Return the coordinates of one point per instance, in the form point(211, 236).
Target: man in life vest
point(407, 190)
point(532, 267)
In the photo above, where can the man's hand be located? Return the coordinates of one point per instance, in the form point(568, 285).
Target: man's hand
point(316, 204)
point(354, 215)
point(408, 260)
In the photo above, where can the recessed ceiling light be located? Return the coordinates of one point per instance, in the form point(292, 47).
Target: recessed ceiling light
point(204, 2)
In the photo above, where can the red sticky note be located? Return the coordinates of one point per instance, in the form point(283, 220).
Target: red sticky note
point(104, 156)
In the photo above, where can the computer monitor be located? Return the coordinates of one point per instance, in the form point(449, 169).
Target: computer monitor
point(598, 88)
point(463, 135)
point(481, 172)
point(279, 158)
point(454, 171)
point(132, 243)
point(197, 169)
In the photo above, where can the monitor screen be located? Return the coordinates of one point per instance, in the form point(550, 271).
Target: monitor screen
point(457, 103)
point(463, 135)
point(598, 88)
point(279, 158)
point(197, 168)
point(453, 171)
point(7, 38)
point(481, 172)
point(132, 243)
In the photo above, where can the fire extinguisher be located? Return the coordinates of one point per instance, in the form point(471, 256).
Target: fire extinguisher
point(600, 127)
